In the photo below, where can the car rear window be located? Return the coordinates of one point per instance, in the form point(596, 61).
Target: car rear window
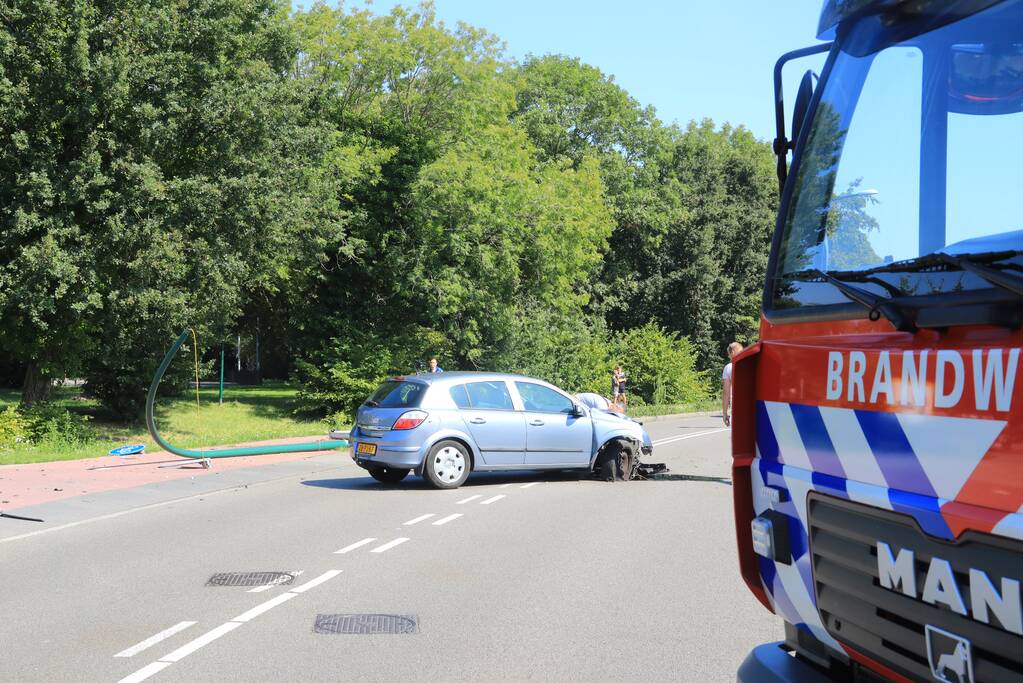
point(397, 394)
point(489, 395)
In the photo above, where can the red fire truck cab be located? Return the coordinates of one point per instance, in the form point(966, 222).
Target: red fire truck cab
point(878, 424)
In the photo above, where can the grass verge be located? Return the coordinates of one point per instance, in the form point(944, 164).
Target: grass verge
point(672, 409)
point(247, 414)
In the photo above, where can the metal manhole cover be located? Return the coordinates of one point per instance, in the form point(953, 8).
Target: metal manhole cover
point(251, 579)
point(366, 623)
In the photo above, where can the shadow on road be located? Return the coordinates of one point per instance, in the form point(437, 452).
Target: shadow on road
point(414, 483)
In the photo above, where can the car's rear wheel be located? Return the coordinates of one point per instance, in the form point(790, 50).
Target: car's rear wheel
point(447, 466)
point(388, 475)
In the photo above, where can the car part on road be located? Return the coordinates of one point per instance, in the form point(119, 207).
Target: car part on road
point(650, 470)
point(447, 465)
point(365, 624)
point(388, 475)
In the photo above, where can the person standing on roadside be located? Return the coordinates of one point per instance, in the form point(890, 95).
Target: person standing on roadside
point(434, 367)
point(618, 382)
point(726, 384)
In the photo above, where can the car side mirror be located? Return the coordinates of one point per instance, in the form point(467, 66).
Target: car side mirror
point(577, 410)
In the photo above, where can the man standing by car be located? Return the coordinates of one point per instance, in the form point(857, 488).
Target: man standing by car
point(726, 384)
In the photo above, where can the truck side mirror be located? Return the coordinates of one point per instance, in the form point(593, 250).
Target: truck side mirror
point(802, 105)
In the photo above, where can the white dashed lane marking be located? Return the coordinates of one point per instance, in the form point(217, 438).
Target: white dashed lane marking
point(419, 519)
point(225, 628)
point(201, 641)
point(494, 499)
point(150, 642)
point(445, 520)
point(469, 499)
point(265, 607)
point(387, 546)
point(353, 546)
point(313, 583)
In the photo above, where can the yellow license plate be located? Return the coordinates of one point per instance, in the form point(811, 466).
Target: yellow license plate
point(367, 448)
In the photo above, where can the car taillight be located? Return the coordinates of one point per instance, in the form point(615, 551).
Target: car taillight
point(410, 420)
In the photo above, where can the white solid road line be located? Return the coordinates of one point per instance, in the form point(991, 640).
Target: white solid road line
point(504, 486)
point(150, 642)
point(387, 546)
point(488, 501)
point(673, 439)
point(313, 583)
point(526, 486)
point(357, 544)
point(145, 672)
point(203, 640)
point(264, 607)
point(470, 498)
point(445, 520)
point(419, 519)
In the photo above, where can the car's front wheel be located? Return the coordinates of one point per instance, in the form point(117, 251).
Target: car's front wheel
point(388, 475)
point(447, 465)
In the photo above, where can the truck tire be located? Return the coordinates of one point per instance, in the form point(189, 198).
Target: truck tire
point(447, 465)
point(388, 475)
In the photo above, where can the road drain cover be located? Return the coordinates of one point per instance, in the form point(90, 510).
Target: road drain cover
point(366, 623)
point(251, 579)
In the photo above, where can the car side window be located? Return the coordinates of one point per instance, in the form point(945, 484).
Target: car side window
point(489, 395)
point(541, 399)
point(460, 397)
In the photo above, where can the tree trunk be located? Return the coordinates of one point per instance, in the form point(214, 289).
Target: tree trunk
point(36, 386)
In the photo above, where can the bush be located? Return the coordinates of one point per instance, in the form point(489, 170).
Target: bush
point(660, 367)
point(14, 428)
point(43, 422)
point(51, 424)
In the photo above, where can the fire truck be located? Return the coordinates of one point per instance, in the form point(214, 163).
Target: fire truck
point(878, 424)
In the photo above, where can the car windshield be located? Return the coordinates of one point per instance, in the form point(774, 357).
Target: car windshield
point(397, 394)
point(912, 154)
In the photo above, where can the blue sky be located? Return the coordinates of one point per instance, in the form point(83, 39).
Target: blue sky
point(688, 59)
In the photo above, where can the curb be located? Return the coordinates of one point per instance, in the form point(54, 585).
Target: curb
point(655, 418)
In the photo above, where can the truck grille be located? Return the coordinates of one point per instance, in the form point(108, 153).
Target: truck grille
point(887, 625)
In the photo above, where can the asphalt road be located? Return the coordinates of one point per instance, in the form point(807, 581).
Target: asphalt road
point(517, 576)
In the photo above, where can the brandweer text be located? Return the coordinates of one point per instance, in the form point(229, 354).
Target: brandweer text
point(937, 378)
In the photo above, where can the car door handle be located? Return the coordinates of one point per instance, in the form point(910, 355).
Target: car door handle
point(478, 421)
point(536, 423)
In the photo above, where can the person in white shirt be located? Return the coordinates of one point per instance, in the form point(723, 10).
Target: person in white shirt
point(726, 382)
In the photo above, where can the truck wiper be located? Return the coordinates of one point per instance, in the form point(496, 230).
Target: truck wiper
point(901, 317)
point(998, 278)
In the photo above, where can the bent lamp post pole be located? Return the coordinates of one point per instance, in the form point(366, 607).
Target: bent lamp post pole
point(225, 452)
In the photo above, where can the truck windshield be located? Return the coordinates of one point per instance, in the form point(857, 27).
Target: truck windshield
point(913, 154)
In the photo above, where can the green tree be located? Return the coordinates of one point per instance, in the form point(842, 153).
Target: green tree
point(167, 171)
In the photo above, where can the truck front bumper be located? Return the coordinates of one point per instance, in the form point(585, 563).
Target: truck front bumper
point(769, 663)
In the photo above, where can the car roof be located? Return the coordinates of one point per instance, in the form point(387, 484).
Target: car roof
point(456, 377)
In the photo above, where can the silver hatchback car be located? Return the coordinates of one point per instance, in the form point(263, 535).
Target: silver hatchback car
point(445, 425)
